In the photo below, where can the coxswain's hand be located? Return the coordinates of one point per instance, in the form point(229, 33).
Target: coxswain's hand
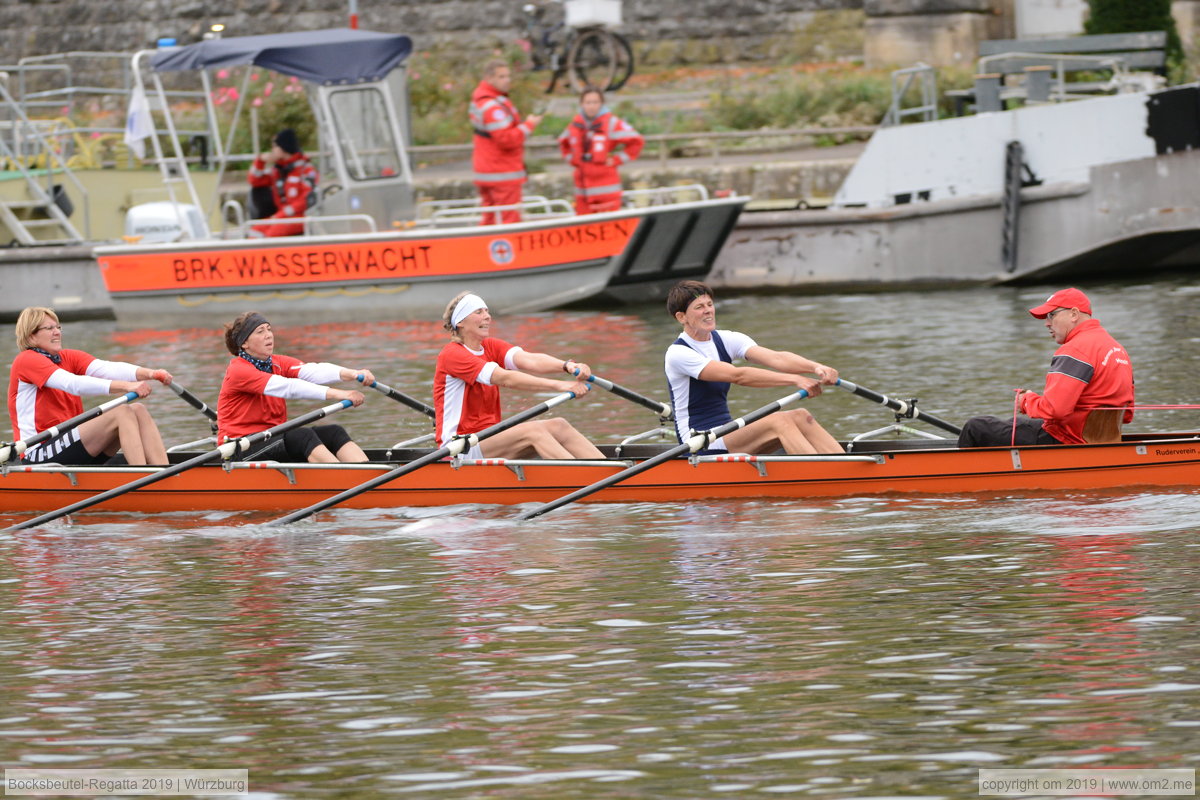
point(162, 376)
point(827, 375)
point(534, 120)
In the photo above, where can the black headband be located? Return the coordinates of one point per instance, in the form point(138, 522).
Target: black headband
point(248, 326)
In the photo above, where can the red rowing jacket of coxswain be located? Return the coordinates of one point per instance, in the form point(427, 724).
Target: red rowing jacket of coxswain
point(609, 141)
point(500, 136)
point(1090, 370)
point(41, 394)
point(252, 400)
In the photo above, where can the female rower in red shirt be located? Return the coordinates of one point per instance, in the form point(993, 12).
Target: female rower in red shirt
point(466, 394)
point(44, 387)
point(257, 384)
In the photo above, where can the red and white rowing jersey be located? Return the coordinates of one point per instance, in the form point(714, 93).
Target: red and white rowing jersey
point(41, 394)
point(463, 395)
point(252, 400)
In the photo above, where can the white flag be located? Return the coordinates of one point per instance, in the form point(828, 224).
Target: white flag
point(139, 125)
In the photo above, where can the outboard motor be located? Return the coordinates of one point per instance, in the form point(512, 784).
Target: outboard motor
point(164, 222)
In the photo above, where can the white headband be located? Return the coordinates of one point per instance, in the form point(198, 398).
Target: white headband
point(467, 306)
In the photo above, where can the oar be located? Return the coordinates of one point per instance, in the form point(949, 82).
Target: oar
point(453, 449)
point(664, 410)
point(15, 449)
point(224, 451)
point(196, 403)
point(903, 407)
point(400, 397)
point(697, 441)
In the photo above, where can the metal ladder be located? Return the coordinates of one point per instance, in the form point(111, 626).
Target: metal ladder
point(15, 214)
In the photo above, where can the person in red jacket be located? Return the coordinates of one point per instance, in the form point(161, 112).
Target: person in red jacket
point(1089, 370)
point(257, 385)
point(595, 144)
point(500, 134)
point(44, 387)
point(284, 185)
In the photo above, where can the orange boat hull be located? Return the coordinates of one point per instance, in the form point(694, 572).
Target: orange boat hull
point(1156, 463)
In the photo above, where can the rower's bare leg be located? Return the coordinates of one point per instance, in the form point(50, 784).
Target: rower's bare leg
point(321, 455)
point(521, 440)
point(767, 435)
point(100, 435)
point(575, 442)
point(350, 452)
point(153, 449)
point(817, 436)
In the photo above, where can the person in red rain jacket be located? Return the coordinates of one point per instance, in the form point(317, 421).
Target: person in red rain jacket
point(595, 144)
point(500, 134)
point(284, 185)
point(1089, 370)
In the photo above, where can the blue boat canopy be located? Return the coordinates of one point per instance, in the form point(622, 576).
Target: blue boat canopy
point(335, 55)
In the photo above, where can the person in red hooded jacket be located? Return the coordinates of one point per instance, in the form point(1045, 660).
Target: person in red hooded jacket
point(595, 144)
point(284, 185)
point(1090, 370)
point(500, 134)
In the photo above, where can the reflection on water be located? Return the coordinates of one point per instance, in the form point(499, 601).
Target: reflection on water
point(859, 648)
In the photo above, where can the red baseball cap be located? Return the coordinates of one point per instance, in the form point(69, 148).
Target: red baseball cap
point(1063, 298)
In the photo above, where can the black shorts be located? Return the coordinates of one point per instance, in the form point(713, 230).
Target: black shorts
point(996, 432)
point(296, 445)
point(65, 449)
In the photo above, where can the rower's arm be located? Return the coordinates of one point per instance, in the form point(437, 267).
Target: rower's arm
point(786, 361)
point(756, 378)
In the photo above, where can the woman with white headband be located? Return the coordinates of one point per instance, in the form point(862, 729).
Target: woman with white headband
point(257, 385)
point(466, 394)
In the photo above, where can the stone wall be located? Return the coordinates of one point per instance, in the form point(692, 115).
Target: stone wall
point(664, 31)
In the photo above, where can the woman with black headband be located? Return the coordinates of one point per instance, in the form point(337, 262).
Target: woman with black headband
point(257, 384)
point(44, 387)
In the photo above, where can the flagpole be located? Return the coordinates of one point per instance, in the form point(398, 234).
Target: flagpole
point(353, 13)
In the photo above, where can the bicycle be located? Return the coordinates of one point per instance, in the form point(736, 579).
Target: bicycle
point(588, 55)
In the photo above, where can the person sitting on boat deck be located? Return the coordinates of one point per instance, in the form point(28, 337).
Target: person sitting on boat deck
point(257, 385)
point(595, 143)
point(699, 366)
point(283, 184)
point(1089, 370)
point(44, 388)
point(498, 157)
point(473, 366)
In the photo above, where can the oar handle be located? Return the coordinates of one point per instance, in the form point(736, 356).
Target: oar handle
point(15, 449)
point(399, 396)
point(697, 441)
point(664, 410)
point(224, 451)
point(455, 447)
point(196, 403)
point(900, 406)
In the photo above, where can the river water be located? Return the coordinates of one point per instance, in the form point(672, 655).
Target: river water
point(865, 647)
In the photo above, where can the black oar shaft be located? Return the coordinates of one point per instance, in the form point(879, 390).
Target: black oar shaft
point(14, 450)
point(454, 448)
point(695, 443)
point(662, 409)
point(401, 397)
point(898, 405)
point(193, 401)
point(226, 450)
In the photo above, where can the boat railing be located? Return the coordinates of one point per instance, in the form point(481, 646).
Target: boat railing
point(902, 83)
point(311, 224)
point(747, 458)
point(454, 213)
point(662, 195)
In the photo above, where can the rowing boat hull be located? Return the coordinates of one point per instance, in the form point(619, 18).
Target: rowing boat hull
point(270, 487)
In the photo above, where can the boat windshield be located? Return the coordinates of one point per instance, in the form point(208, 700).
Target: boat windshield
point(364, 138)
